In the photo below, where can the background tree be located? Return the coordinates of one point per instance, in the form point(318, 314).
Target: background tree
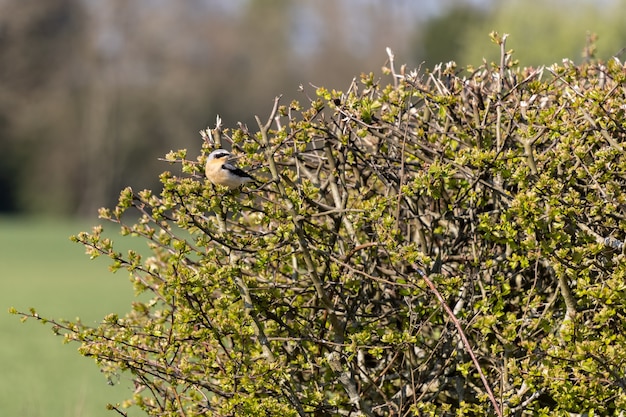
point(443, 38)
point(546, 32)
point(415, 247)
point(40, 47)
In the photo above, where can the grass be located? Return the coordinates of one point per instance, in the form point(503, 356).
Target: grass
point(41, 268)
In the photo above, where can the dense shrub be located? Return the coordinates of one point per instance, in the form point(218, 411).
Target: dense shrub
point(499, 189)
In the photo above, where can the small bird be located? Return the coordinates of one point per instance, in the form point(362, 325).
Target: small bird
point(220, 172)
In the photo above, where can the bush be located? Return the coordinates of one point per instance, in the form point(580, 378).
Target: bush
point(413, 247)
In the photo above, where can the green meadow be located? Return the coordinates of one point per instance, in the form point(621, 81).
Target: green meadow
point(40, 267)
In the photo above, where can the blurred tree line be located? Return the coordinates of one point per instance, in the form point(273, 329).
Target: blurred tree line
point(93, 92)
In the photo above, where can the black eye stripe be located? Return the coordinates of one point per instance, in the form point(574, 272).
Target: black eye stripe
point(219, 155)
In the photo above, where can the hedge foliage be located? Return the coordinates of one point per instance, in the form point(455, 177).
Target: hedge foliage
point(498, 188)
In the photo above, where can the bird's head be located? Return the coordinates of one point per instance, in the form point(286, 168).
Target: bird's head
point(219, 154)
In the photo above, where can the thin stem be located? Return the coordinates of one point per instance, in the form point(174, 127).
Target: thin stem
point(464, 340)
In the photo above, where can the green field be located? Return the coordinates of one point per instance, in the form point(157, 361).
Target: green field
point(41, 268)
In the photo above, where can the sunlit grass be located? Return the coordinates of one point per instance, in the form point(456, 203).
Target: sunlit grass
point(42, 268)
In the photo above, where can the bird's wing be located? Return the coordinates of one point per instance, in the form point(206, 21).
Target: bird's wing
point(237, 171)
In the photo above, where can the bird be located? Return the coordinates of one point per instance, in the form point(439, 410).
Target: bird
point(220, 172)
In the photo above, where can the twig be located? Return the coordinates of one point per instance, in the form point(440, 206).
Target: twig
point(391, 66)
point(459, 328)
point(606, 241)
point(114, 408)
